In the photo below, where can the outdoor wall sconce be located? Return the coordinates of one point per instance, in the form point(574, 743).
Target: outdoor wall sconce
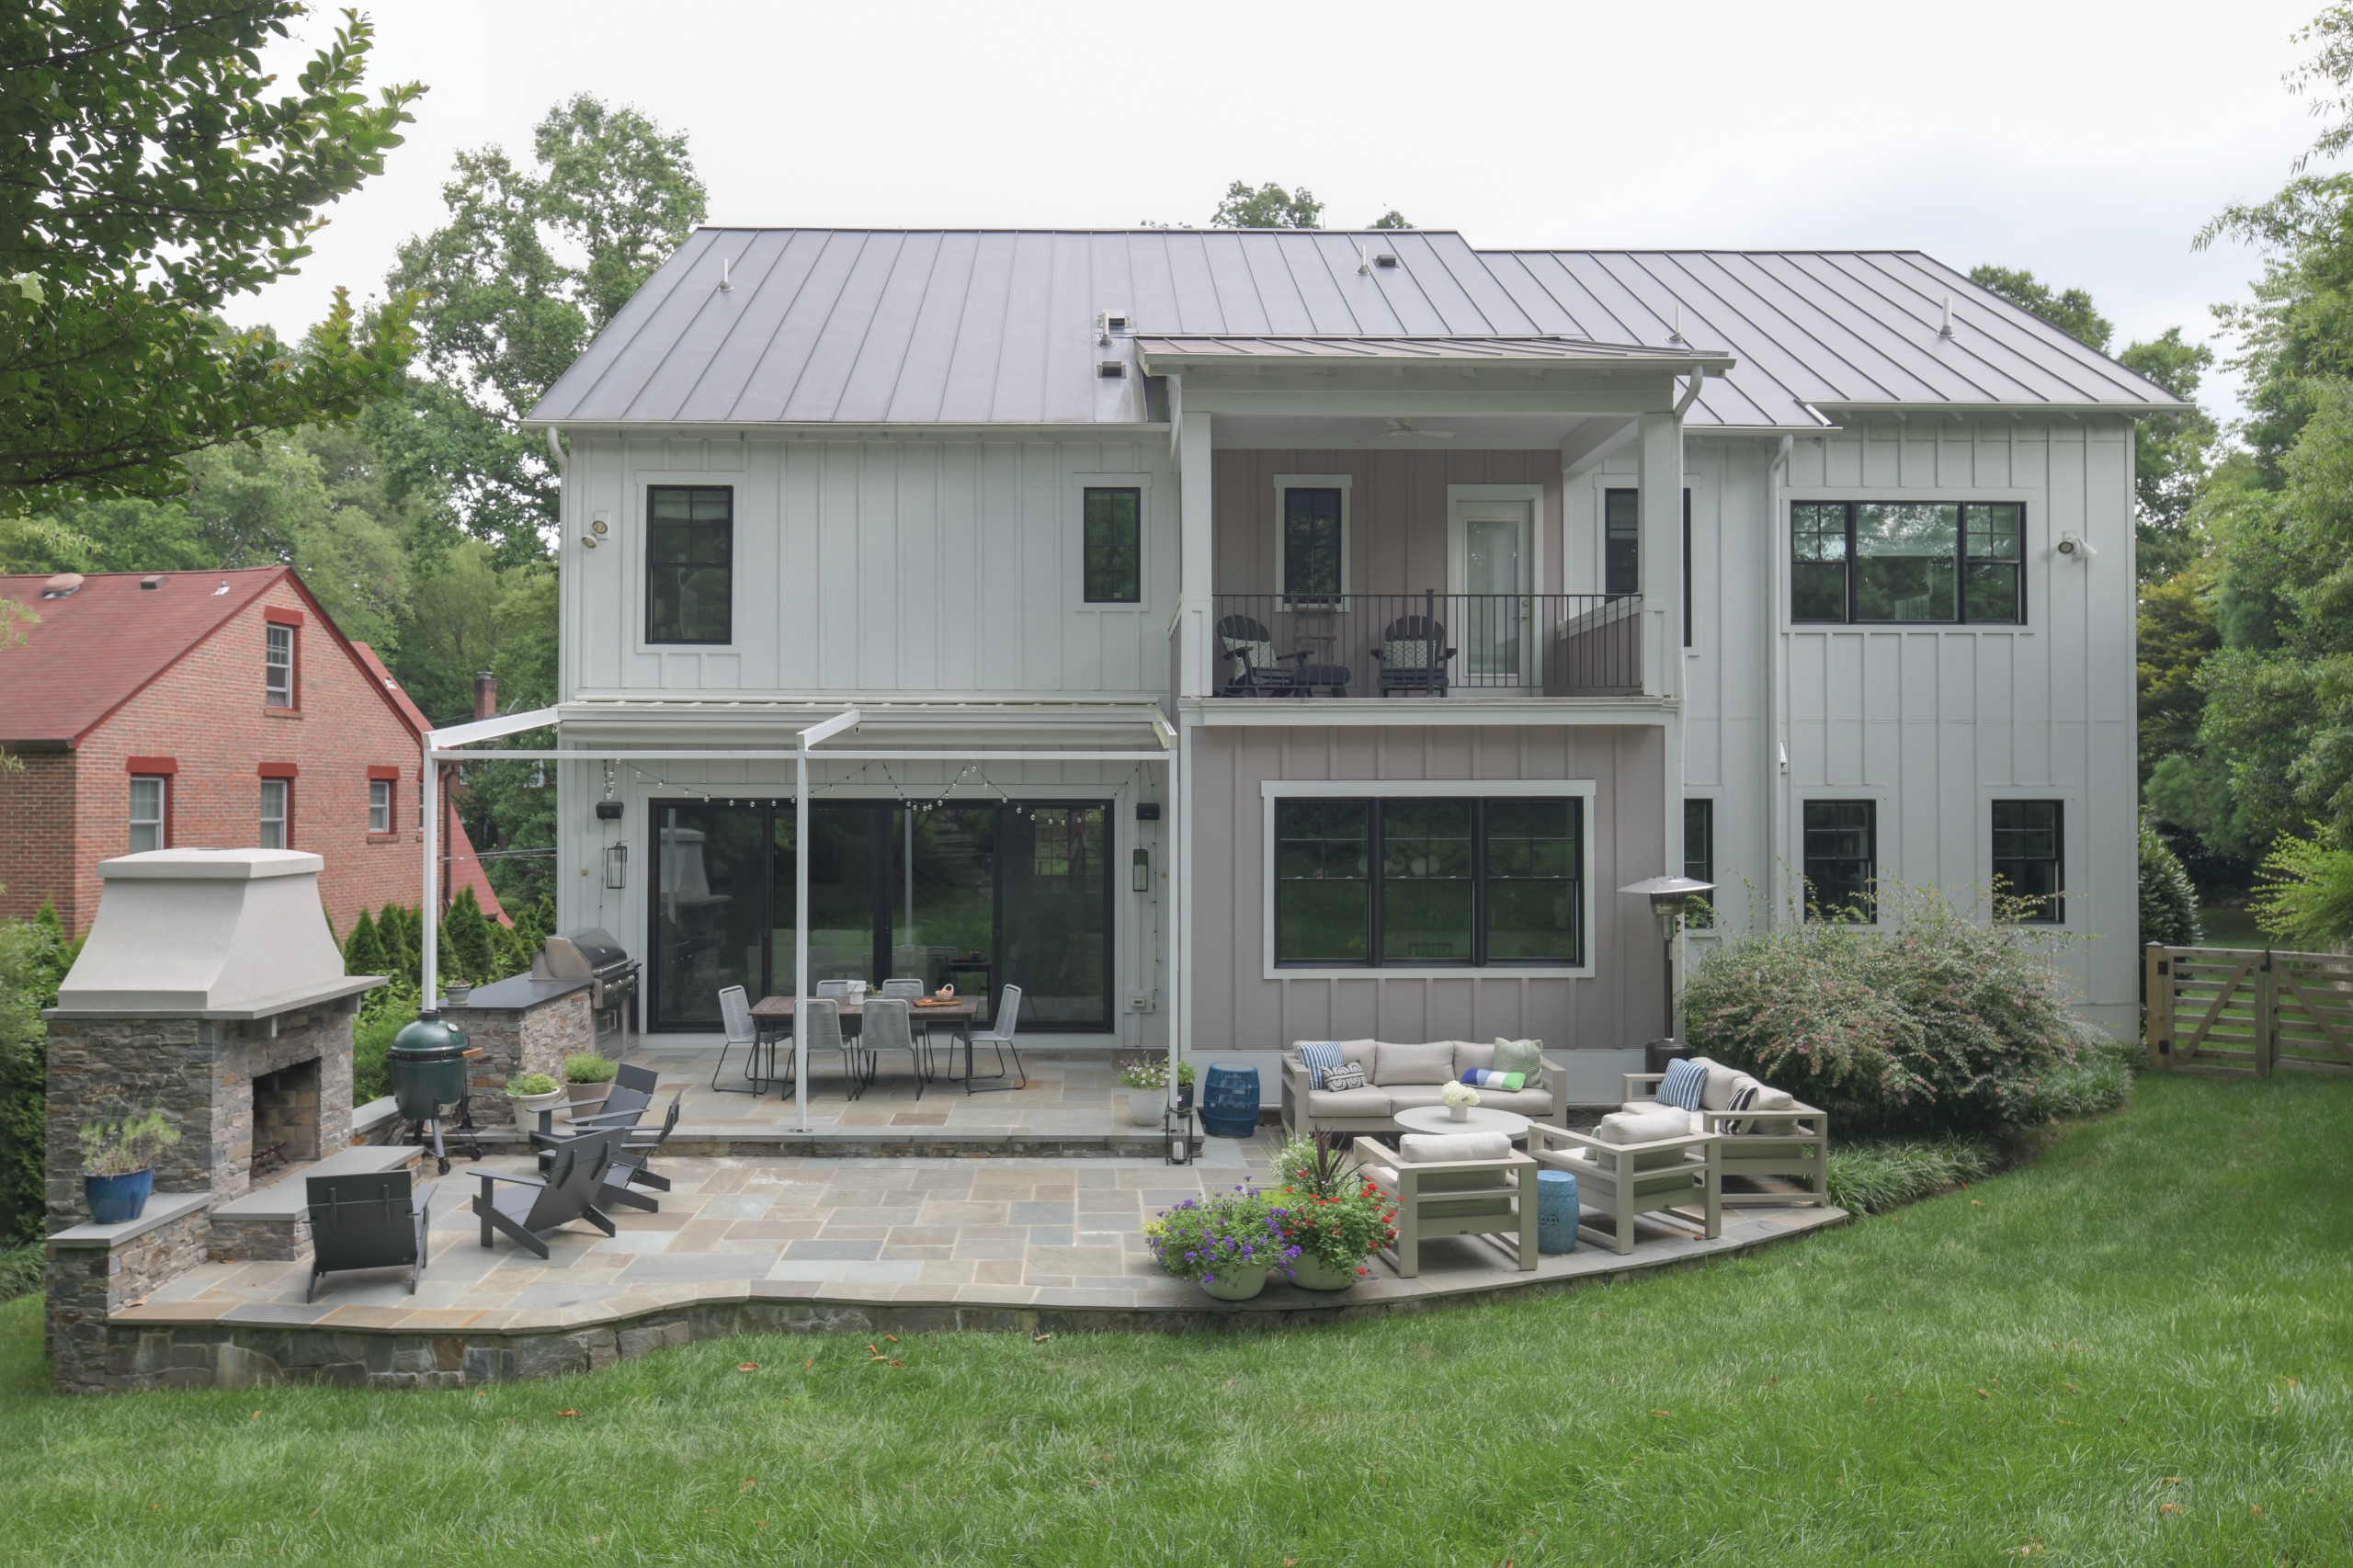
point(616, 866)
point(1143, 870)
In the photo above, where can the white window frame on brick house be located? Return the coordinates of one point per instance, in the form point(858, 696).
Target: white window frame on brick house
point(380, 805)
point(158, 825)
point(278, 814)
point(278, 673)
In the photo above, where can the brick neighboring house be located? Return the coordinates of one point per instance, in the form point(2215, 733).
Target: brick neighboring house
point(213, 709)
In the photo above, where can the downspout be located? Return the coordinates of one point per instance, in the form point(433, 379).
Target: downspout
point(555, 454)
point(1690, 394)
point(1776, 759)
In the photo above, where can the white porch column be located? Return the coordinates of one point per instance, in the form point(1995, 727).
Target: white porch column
point(801, 939)
point(429, 796)
point(1194, 536)
point(1662, 561)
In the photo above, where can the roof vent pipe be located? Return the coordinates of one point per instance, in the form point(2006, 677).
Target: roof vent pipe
point(726, 285)
point(1946, 330)
point(1676, 336)
point(1364, 262)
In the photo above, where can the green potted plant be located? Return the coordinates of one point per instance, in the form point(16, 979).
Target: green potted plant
point(587, 1075)
point(1184, 1086)
point(1226, 1242)
point(529, 1094)
point(119, 1165)
point(1325, 1208)
point(1145, 1078)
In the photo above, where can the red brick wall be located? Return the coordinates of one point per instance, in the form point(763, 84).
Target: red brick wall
point(37, 834)
point(206, 713)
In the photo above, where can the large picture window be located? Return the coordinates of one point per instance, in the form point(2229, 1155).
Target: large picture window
point(973, 896)
point(1114, 546)
point(1842, 859)
point(1872, 561)
point(2028, 862)
point(689, 564)
point(1418, 882)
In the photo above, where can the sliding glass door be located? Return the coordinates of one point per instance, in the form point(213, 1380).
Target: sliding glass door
point(973, 896)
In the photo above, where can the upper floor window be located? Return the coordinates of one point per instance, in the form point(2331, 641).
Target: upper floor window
point(147, 813)
point(689, 562)
point(278, 666)
point(1621, 541)
point(277, 813)
point(1842, 859)
point(1700, 858)
point(2027, 862)
point(1860, 562)
point(380, 805)
point(1114, 546)
point(1313, 544)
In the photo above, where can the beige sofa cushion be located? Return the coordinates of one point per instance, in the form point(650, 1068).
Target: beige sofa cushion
point(1535, 1103)
point(1405, 1096)
point(1415, 1065)
point(1469, 1054)
point(1357, 1105)
point(1423, 1147)
point(1363, 1052)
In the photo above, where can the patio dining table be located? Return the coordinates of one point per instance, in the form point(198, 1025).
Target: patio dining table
point(772, 1016)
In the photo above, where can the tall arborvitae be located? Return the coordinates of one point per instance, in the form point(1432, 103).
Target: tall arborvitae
point(363, 953)
point(470, 942)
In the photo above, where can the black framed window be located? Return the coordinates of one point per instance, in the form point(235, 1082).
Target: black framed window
point(1114, 546)
point(2028, 861)
point(1700, 858)
point(1864, 562)
point(1413, 882)
point(1842, 859)
point(1312, 556)
point(689, 562)
point(1621, 541)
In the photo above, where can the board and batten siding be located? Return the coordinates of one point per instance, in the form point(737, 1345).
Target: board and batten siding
point(1397, 512)
point(1933, 723)
point(1237, 1008)
point(927, 568)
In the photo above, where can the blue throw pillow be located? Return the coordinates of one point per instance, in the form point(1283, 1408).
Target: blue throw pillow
point(1682, 1085)
point(1319, 1059)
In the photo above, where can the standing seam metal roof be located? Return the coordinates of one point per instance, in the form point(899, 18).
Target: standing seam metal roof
point(998, 326)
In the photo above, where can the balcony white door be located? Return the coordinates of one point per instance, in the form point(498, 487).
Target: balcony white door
point(1490, 573)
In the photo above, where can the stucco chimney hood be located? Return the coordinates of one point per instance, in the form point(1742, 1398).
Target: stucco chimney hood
point(234, 934)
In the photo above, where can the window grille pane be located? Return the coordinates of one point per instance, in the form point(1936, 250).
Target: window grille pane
point(1996, 531)
point(1114, 547)
point(1841, 859)
point(1532, 902)
point(1905, 562)
point(278, 666)
point(690, 536)
point(380, 805)
point(146, 814)
point(1699, 859)
point(2027, 860)
point(1426, 881)
point(1818, 562)
point(1323, 881)
point(1621, 541)
point(273, 813)
point(1311, 543)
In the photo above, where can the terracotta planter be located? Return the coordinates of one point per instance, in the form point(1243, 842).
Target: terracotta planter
point(578, 1092)
point(1237, 1281)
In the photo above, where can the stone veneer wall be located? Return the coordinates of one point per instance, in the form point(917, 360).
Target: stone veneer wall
point(515, 1041)
point(87, 1283)
point(201, 1071)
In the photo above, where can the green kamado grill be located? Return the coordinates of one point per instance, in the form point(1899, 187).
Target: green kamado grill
point(429, 1063)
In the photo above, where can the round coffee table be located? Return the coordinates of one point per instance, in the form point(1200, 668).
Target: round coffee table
point(1434, 1118)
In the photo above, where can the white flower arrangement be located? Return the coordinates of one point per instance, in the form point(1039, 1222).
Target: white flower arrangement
point(1460, 1094)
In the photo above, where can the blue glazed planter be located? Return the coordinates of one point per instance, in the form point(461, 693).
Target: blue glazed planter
point(1556, 1212)
point(1230, 1100)
point(117, 1199)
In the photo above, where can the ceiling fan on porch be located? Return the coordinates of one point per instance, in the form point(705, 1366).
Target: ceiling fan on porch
point(1404, 427)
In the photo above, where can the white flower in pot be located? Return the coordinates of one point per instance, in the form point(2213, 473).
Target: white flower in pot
point(1145, 1078)
point(1460, 1099)
point(529, 1094)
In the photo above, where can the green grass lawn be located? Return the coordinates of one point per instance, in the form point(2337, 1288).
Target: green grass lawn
point(2230, 925)
point(2133, 1351)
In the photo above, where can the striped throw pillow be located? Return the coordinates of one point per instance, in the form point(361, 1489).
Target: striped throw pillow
point(1742, 1098)
point(1682, 1085)
point(1319, 1059)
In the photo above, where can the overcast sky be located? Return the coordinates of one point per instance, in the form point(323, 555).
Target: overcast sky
point(2086, 140)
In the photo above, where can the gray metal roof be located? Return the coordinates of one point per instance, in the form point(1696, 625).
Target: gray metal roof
point(998, 326)
point(1264, 351)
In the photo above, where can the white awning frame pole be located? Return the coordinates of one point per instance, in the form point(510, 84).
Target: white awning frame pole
point(429, 795)
point(800, 940)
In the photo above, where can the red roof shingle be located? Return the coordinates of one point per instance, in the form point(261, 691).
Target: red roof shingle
point(91, 652)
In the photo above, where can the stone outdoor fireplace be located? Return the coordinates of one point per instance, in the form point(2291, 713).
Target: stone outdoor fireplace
point(286, 1118)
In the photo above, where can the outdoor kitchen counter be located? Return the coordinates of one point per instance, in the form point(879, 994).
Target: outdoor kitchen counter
point(522, 1024)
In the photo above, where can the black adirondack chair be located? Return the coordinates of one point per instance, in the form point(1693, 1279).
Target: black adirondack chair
point(1413, 655)
point(568, 1192)
point(366, 1221)
point(1258, 668)
point(630, 1164)
point(625, 1104)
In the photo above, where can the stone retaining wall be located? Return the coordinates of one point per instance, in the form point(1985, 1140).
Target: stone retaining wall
point(88, 1283)
point(260, 1241)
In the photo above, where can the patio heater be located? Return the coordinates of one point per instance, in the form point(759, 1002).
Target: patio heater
point(1668, 896)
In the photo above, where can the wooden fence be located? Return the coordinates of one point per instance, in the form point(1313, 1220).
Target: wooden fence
point(2239, 1012)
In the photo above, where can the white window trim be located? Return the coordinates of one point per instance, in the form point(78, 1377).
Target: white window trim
point(386, 785)
point(293, 657)
point(1341, 483)
point(162, 820)
point(285, 811)
point(1273, 789)
point(1076, 553)
point(1458, 495)
point(2071, 862)
point(639, 531)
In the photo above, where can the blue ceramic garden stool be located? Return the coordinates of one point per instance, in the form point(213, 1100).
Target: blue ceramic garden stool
point(1230, 1100)
point(1556, 1212)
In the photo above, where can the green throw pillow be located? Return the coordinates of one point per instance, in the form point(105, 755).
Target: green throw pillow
point(1522, 1056)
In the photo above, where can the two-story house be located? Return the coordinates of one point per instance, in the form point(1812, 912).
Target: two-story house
point(1256, 636)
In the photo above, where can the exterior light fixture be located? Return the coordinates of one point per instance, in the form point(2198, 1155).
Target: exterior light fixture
point(1143, 869)
point(1670, 896)
point(616, 866)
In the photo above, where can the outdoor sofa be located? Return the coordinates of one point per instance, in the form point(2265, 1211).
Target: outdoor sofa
point(1775, 1135)
point(1399, 1076)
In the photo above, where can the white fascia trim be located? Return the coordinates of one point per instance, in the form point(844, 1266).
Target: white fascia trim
point(490, 729)
point(1273, 789)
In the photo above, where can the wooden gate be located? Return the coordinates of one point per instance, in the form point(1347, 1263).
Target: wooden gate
point(2243, 1013)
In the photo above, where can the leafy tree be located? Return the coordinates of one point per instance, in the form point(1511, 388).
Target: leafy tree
point(2176, 634)
point(469, 941)
point(532, 263)
point(1267, 207)
point(2071, 311)
point(1392, 219)
point(149, 180)
point(2306, 896)
point(362, 953)
point(2168, 902)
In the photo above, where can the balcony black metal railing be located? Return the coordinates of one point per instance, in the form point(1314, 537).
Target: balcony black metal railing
point(1427, 644)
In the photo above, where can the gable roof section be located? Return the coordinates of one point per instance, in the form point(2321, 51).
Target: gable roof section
point(965, 327)
point(98, 647)
point(394, 693)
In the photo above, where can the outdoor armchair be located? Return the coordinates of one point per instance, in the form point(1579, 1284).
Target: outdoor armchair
point(568, 1192)
point(1773, 1140)
point(1472, 1184)
point(1258, 668)
point(366, 1221)
point(1413, 655)
point(1634, 1164)
point(624, 1104)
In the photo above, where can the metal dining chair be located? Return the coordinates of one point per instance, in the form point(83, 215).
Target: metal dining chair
point(905, 988)
point(837, 989)
point(735, 1013)
point(1000, 1034)
point(825, 1034)
point(888, 1028)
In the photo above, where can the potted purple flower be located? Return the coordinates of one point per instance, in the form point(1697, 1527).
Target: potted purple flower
point(1226, 1242)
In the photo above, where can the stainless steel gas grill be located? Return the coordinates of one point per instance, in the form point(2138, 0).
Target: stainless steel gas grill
point(590, 953)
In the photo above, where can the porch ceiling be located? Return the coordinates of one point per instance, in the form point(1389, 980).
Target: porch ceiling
point(1460, 432)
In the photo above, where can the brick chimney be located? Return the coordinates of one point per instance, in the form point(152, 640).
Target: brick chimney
point(485, 696)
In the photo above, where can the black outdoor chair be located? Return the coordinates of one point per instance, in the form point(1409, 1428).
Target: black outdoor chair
point(568, 1192)
point(630, 1163)
point(366, 1221)
point(625, 1104)
point(1258, 668)
point(1413, 655)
